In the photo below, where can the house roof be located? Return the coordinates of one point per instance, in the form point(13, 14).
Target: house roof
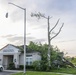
point(6, 46)
point(27, 49)
point(21, 48)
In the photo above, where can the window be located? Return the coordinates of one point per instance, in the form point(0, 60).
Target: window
point(28, 55)
point(26, 63)
point(28, 60)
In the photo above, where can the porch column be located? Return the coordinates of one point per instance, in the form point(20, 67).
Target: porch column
point(1, 59)
point(16, 60)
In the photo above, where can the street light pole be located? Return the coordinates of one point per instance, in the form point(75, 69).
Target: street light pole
point(24, 34)
point(49, 51)
point(24, 40)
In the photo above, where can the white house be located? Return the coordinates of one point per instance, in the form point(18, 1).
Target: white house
point(11, 53)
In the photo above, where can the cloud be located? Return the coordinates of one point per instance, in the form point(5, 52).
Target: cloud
point(18, 40)
point(31, 6)
point(13, 39)
point(63, 5)
point(63, 9)
point(7, 36)
point(40, 40)
point(40, 27)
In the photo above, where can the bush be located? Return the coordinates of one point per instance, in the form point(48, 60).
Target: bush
point(11, 66)
point(28, 67)
point(21, 67)
point(41, 66)
point(44, 66)
point(36, 65)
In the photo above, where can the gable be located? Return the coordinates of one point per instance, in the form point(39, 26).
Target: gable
point(9, 48)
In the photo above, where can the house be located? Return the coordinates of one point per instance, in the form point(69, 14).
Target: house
point(11, 53)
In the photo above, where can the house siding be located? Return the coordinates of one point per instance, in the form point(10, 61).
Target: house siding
point(35, 57)
point(10, 53)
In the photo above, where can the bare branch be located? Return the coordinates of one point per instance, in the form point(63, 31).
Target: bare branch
point(58, 32)
point(39, 15)
point(36, 15)
point(42, 15)
point(55, 25)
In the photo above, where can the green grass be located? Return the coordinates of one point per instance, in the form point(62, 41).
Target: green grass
point(37, 73)
point(66, 70)
point(53, 72)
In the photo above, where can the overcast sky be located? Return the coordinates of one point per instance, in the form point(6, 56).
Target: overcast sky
point(12, 28)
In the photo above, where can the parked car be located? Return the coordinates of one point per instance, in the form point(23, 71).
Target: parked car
point(1, 68)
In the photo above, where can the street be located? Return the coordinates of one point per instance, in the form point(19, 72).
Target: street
point(6, 73)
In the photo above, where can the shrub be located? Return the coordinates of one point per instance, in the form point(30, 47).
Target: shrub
point(21, 67)
point(28, 67)
point(41, 66)
point(11, 66)
point(36, 65)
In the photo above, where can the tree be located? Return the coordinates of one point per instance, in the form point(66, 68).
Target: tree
point(56, 56)
point(39, 15)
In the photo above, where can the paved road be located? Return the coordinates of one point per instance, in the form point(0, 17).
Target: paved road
point(6, 73)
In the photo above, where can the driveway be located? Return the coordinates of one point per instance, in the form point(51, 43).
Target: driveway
point(6, 73)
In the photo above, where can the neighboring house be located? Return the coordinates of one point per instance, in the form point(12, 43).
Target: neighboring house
point(11, 53)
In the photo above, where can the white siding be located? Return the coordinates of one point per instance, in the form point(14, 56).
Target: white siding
point(35, 56)
point(18, 57)
point(21, 62)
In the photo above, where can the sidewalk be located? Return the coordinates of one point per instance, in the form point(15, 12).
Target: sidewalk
point(13, 71)
point(65, 74)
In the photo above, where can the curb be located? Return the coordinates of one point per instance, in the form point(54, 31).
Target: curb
point(12, 71)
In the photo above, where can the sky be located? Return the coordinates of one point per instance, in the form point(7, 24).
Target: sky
point(12, 28)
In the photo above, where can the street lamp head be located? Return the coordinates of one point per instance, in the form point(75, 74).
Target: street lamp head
point(6, 15)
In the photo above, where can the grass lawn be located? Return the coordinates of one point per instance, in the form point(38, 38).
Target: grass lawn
point(66, 70)
point(53, 72)
point(37, 73)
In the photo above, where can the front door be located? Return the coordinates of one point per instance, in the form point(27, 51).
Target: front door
point(7, 59)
